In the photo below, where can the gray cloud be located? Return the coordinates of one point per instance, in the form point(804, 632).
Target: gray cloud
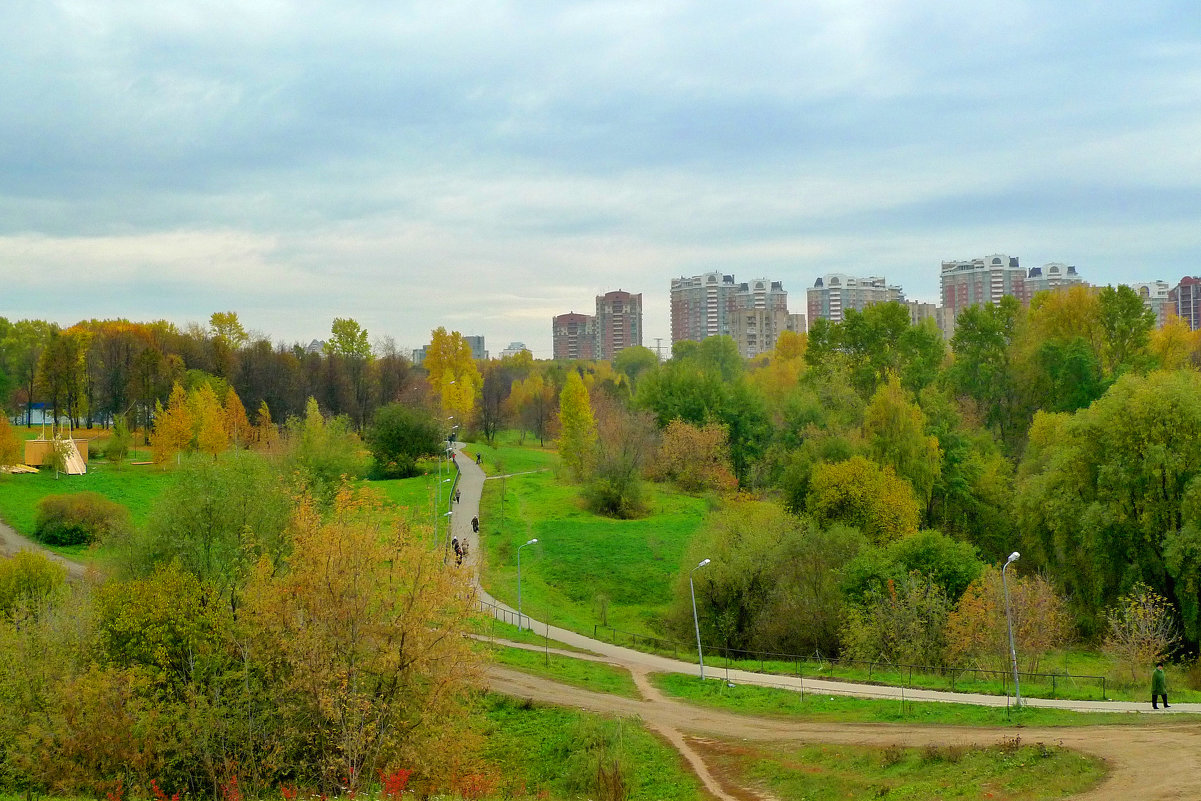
point(490, 164)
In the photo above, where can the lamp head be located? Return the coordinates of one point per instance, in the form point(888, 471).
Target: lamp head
point(703, 563)
point(531, 542)
point(1013, 557)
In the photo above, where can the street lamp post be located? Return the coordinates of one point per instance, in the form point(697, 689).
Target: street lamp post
point(519, 547)
point(695, 620)
point(1013, 654)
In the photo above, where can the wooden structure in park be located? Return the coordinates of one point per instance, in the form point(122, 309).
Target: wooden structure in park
point(40, 453)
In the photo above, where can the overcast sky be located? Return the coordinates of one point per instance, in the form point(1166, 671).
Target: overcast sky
point(487, 165)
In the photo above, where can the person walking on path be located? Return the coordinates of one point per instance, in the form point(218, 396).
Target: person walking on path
point(1159, 687)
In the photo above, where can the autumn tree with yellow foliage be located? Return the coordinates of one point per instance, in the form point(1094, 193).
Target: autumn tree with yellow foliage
point(367, 629)
point(453, 375)
point(172, 427)
point(237, 425)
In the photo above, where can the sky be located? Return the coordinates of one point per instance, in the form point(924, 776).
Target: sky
point(485, 166)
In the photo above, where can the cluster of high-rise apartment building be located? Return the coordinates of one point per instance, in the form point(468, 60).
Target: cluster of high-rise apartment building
point(754, 313)
point(616, 325)
point(975, 282)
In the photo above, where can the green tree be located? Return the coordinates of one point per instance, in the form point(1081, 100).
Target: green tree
point(1102, 492)
point(950, 564)
point(905, 624)
point(982, 369)
point(633, 361)
point(1126, 325)
point(322, 452)
point(216, 520)
point(895, 432)
point(860, 493)
point(400, 435)
point(577, 437)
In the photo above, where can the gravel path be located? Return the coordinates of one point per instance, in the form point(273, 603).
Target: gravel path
point(11, 542)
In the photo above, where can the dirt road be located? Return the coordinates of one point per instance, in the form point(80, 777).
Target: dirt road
point(1148, 763)
point(11, 542)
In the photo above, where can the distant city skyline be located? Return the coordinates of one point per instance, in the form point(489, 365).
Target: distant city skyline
point(488, 167)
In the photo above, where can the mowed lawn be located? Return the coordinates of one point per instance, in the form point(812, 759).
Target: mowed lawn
point(583, 561)
point(135, 488)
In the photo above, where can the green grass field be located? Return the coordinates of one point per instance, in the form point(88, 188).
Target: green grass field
point(596, 676)
point(509, 456)
point(1031, 772)
point(582, 558)
point(550, 752)
point(135, 488)
point(770, 701)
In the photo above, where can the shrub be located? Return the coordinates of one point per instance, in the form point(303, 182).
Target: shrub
point(79, 519)
point(29, 579)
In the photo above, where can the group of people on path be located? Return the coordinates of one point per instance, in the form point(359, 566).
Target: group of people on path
point(460, 548)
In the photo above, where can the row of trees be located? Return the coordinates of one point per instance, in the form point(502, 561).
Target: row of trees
point(98, 370)
point(784, 583)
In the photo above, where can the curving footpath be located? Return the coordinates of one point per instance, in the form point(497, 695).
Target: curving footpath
point(11, 542)
point(1147, 762)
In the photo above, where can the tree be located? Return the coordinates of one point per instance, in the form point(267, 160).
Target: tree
point(624, 444)
point(264, 430)
point(28, 581)
point(172, 427)
point(497, 384)
point(1101, 492)
point(24, 343)
point(10, 446)
point(228, 337)
point(400, 435)
point(1126, 326)
point(365, 630)
point(1174, 346)
point(895, 432)
point(227, 328)
point(577, 438)
point(859, 493)
point(348, 343)
point(1141, 629)
point(212, 436)
point(696, 458)
point(633, 361)
point(237, 425)
point(321, 452)
point(61, 371)
point(903, 625)
point(453, 376)
point(950, 564)
point(978, 630)
point(982, 368)
point(532, 401)
point(216, 520)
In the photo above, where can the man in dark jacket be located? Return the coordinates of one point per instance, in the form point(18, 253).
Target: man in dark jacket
point(1159, 686)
